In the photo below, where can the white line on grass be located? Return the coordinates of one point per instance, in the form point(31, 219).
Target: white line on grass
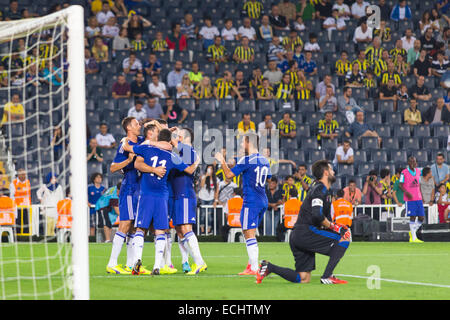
point(173, 276)
point(397, 281)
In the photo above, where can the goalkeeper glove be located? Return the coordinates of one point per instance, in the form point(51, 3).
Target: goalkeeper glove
point(338, 228)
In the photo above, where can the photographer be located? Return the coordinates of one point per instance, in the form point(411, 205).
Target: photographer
point(372, 191)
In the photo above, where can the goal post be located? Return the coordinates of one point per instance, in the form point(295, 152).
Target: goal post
point(71, 20)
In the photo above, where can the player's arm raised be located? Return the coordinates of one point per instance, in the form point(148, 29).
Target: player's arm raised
point(118, 166)
point(143, 167)
point(226, 170)
point(192, 167)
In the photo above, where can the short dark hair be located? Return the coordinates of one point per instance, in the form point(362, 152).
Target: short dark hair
point(425, 171)
point(161, 121)
point(238, 191)
point(147, 128)
point(165, 135)
point(293, 193)
point(340, 193)
point(301, 165)
point(440, 154)
point(352, 181)
point(95, 175)
point(373, 173)
point(399, 170)
point(273, 179)
point(319, 167)
point(191, 133)
point(384, 172)
point(126, 122)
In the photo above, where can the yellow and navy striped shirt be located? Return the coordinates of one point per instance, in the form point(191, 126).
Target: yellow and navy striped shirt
point(327, 128)
point(343, 67)
point(220, 174)
point(362, 65)
point(284, 91)
point(223, 88)
point(380, 66)
point(386, 76)
point(386, 188)
point(203, 92)
point(286, 128)
point(258, 82)
point(395, 52)
point(265, 92)
point(244, 53)
point(293, 76)
point(290, 45)
point(373, 54)
point(386, 36)
point(47, 51)
point(253, 9)
point(369, 83)
point(215, 52)
point(302, 92)
point(159, 45)
point(301, 192)
point(138, 45)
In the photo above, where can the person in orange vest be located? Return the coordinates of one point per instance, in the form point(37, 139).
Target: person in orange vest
point(342, 210)
point(20, 189)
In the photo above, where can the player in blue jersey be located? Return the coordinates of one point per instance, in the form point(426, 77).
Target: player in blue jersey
point(153, 196)
point(183, 209)
point(129, 192)
point(255, 170)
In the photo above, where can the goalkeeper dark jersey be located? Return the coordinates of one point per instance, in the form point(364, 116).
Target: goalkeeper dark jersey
point(315, 207)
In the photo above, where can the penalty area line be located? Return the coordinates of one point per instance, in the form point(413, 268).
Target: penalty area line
point(396, 281)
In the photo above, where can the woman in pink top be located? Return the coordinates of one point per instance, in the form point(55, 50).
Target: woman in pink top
point(409, 184)
point(352, 194)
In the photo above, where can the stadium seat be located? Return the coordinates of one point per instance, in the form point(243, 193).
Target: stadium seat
point(306, 106)
point(345, 169)
point(207, 105)
point(386, 106)
point(410, 143)
point(430, 143)
point(421, 131)
point(315, 155)
point(420, 155)
point(367, 105)
point(296, 155)
point(247, 105)
point(365, 168)
point(398, 155)
point(373, 117)
point(284, 169)
point(309, 143)
point(393, 118)
point(328, 144)
point(402, 131)
point(378, 156)
point(383, 130)
point(359, 156)
point(369, 143)
point(287, 143)
point(187, 104)
point(441, 131)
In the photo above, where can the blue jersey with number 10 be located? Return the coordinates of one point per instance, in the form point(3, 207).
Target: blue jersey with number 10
point(151, 184)
point(255, 170)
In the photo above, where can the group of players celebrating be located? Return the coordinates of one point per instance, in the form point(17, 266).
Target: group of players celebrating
point(158, 184)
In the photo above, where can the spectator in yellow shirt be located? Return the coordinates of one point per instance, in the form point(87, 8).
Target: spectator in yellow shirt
point(246, 125)
point(13, 110)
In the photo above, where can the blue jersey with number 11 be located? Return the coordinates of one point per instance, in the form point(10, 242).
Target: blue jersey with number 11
point(255, 170)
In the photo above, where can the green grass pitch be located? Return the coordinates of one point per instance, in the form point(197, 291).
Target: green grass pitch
point(407, 271)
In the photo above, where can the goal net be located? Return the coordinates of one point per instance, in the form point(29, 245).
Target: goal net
point(43, 187)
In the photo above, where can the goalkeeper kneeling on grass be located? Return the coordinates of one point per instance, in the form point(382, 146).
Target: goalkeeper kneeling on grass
point(314, 233)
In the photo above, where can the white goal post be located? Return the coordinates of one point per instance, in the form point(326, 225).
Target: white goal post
point(73, 19)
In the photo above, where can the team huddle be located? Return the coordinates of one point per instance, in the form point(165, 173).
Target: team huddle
point(158, 187)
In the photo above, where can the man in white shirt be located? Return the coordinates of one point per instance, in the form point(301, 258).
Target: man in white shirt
point(208, 32)
point(104, 14)
point(344, 154)
point(359, 9)
point(265, 126)
point(247, 30)
point(132, 64)
point(408, 40)
point(157, 89)
point(229, 32)
point(138, 111)
point(333, 23)
point(104, 139)
point(363, 34)
point(343, 9)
